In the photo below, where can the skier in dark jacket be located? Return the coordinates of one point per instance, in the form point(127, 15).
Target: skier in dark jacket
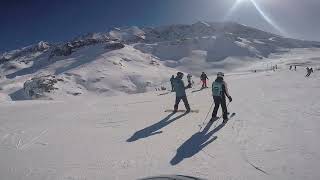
point(309, 71)
point(204, 78)
point(219, 93)
point(180, 90)
point(171, 80)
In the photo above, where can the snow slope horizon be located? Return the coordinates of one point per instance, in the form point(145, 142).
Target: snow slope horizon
point(133, 60)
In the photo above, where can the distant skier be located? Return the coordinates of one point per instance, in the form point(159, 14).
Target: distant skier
point(290, 68)
point(309, 71)
point(204, 78)
point(219, 93)
point(189, 76)
point(171, 80)
point(295, 68)
point(180, 90)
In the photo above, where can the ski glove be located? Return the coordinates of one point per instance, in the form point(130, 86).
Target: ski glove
point(230, 99)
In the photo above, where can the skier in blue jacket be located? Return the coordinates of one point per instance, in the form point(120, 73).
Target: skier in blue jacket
point(180, 90)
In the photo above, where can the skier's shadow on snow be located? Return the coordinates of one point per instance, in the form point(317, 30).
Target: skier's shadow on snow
point(194, 91)
point(195, 143)
point(154, 129)
point(164, 93)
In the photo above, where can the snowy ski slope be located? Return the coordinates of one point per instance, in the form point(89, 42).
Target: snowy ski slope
point(274, 134)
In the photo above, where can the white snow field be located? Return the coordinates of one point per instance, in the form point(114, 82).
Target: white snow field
point(274, 134)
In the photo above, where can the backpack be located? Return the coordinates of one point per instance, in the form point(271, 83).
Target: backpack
point(217, 88)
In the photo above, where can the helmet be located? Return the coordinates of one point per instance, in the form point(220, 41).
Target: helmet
point(220, 74)
point(179, 74)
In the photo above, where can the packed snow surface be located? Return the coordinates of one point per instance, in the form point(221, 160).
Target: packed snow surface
point(274, 134)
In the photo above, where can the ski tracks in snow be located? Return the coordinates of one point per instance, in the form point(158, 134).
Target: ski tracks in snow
point(237, 125)
point(31, 142)
point(18, 139)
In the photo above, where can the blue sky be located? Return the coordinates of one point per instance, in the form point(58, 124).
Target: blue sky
point(24, 22)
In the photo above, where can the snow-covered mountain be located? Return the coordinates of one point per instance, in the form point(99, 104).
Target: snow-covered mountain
point(25, 52)
point(134, 60)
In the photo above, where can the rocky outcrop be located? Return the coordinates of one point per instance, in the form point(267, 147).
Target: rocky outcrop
point(38, 87)
point(114, 45)
point(80, 41)
point(64, 50)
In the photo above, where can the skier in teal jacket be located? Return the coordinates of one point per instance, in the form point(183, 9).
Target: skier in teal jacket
point(180, 90)
point(219, 93)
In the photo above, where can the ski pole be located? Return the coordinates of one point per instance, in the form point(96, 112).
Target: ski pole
point(206, 116)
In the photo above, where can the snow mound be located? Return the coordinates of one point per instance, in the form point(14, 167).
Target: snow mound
point(101, 69)
point(114, 72)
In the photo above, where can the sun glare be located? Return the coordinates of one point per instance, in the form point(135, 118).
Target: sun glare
point(238, 3)
point(266, 17)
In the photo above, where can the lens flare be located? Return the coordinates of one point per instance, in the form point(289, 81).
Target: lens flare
point(232, 9)
point(261, 12)
point(267, 18)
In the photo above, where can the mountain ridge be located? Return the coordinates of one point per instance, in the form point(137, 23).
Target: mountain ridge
point(226, 27)
point(135, 60)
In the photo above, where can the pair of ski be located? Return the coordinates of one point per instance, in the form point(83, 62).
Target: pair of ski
point(230, 116)
point(183, 111)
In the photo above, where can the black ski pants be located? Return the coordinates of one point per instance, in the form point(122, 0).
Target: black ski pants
point(172, 87)
point(217, 101)
point(185, 101)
